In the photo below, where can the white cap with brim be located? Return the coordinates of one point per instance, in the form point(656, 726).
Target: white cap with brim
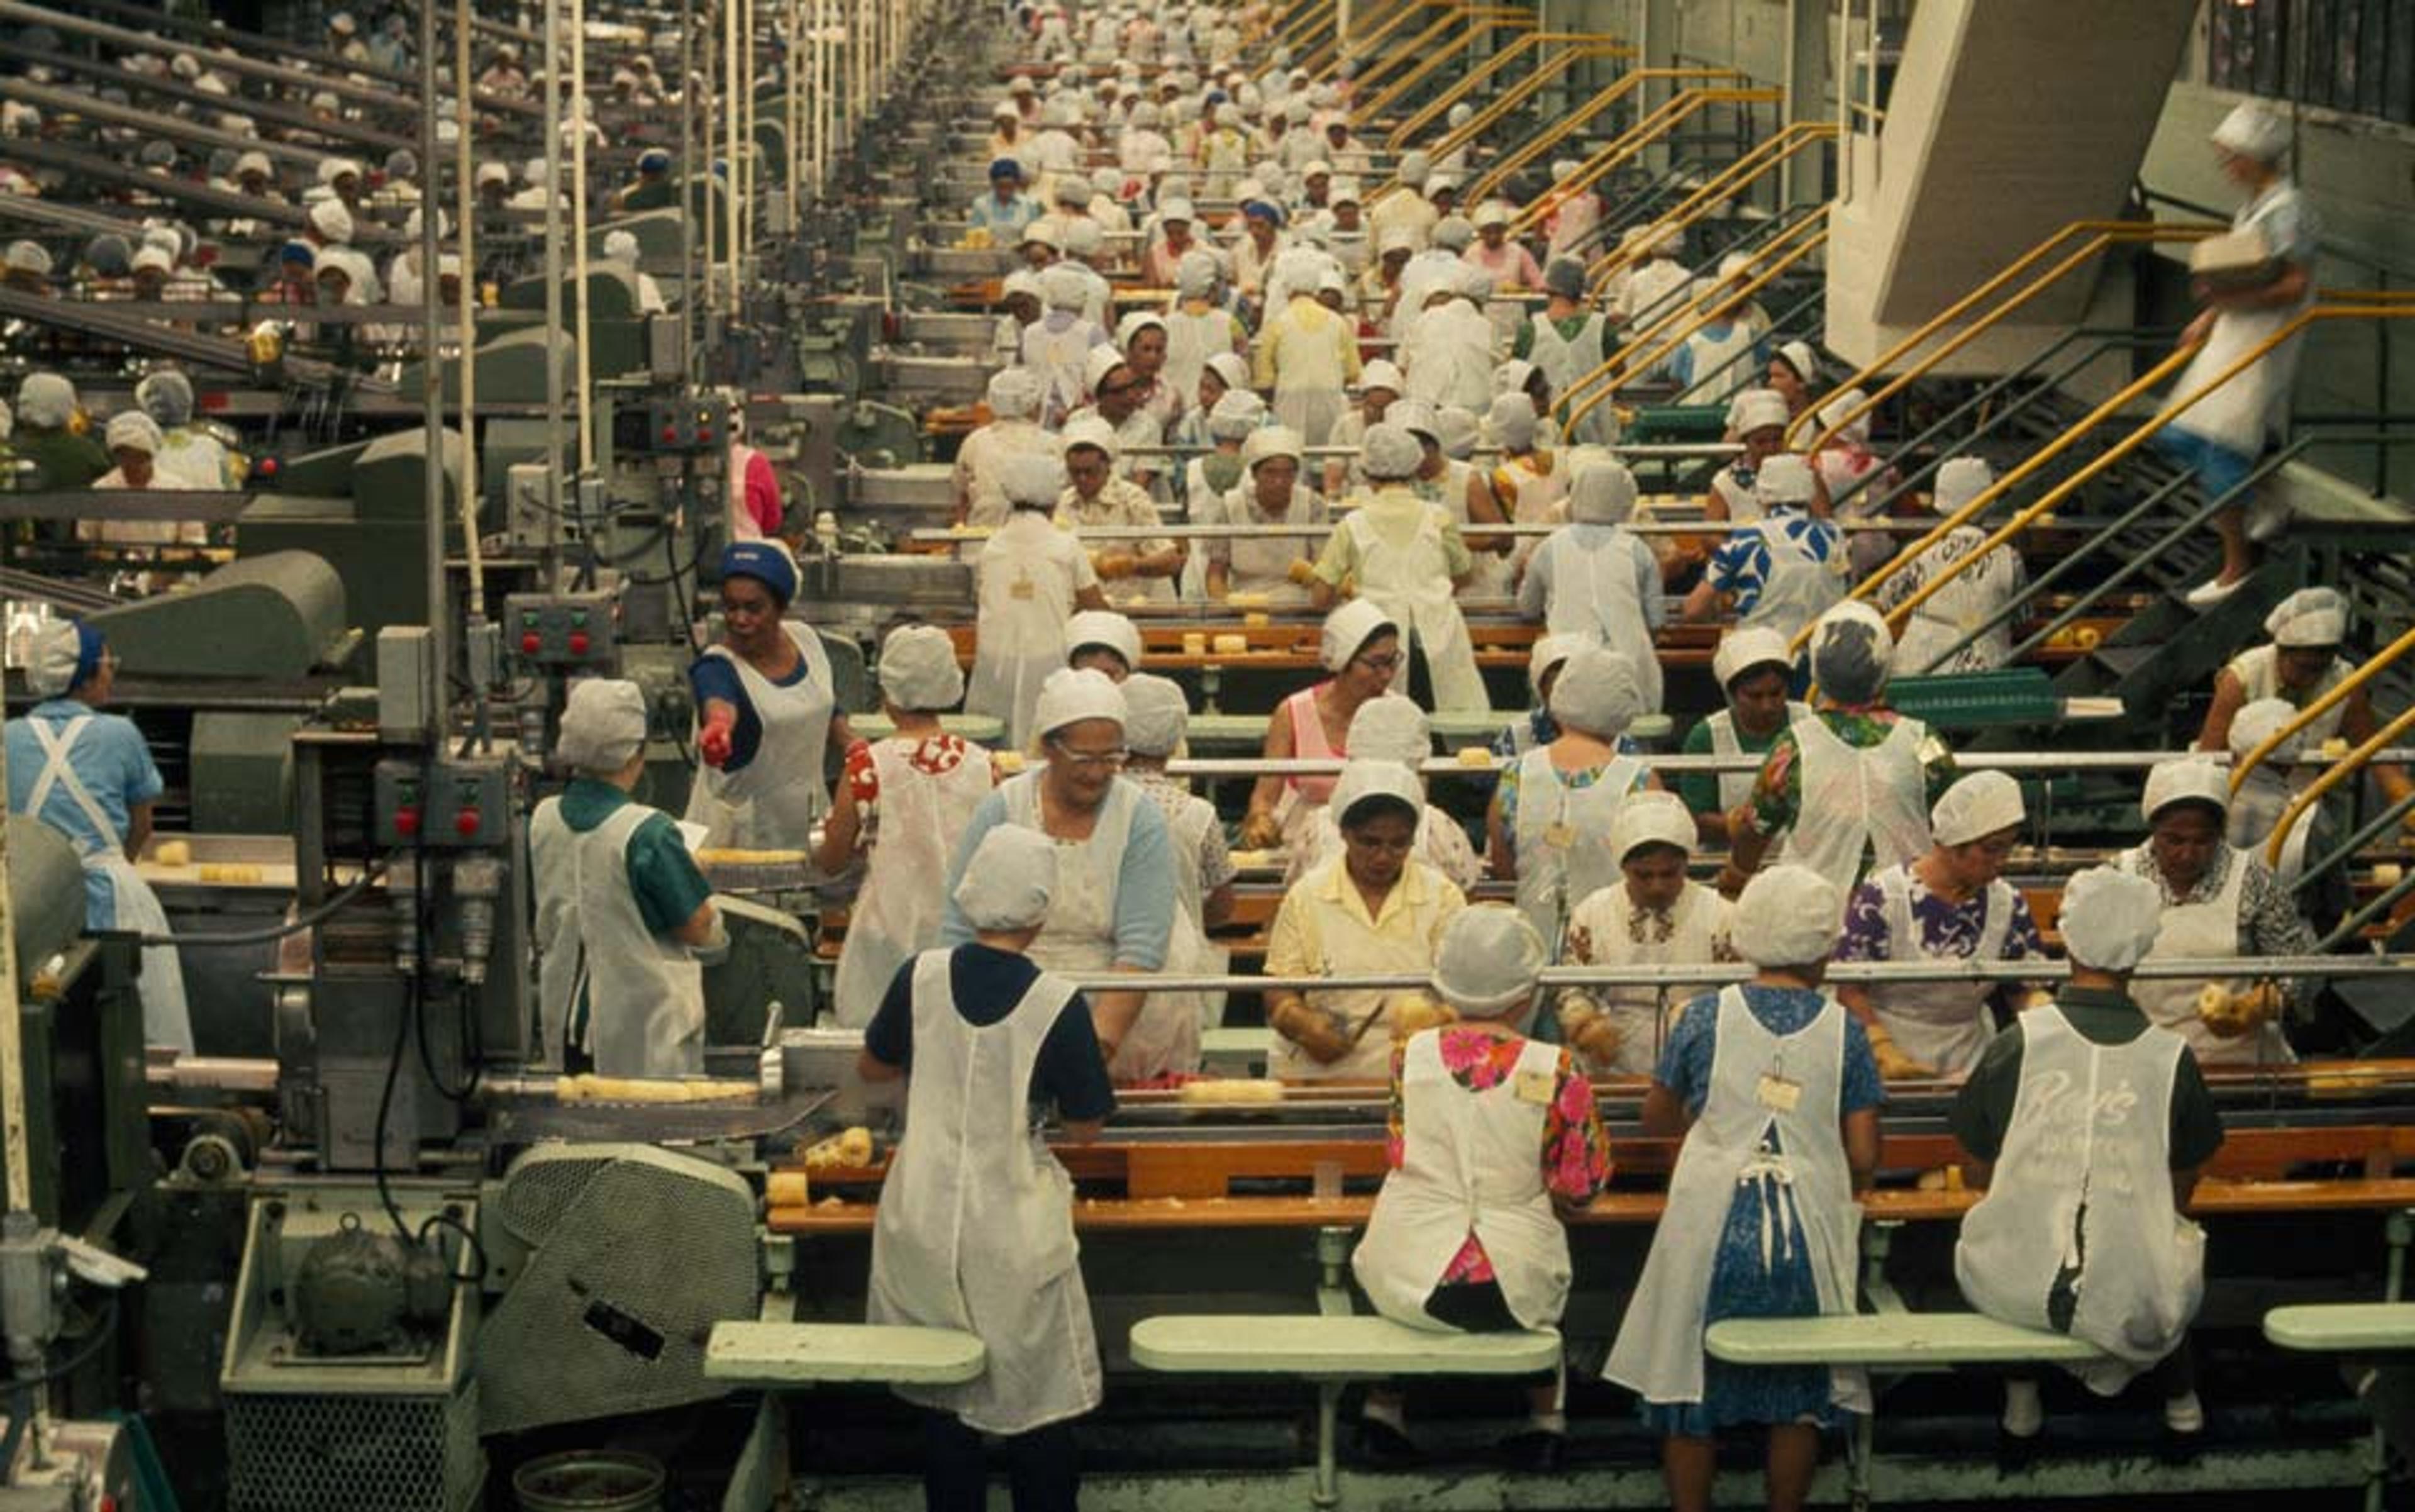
point(1008, 879)
point(1364, 782)
point(59, 659)
point(1105, 627)
point(1651, 817)
point(1157, 714)
point(1390, 728)
point(1787, 916)
point(1347, 629)
point(918, 670)
point(2308, 618)
point(1488, 961)
point(1743, 650)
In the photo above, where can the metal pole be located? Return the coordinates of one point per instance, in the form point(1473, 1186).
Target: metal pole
point(465, 212)
point(554, 104)
point(686, 190)
point(578, 239)
point(432, 305)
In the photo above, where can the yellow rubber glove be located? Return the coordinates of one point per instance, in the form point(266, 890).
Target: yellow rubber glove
point(1303, 572)
point(1894, 1065)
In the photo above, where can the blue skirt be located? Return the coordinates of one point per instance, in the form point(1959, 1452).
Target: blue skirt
point(1742, 1286)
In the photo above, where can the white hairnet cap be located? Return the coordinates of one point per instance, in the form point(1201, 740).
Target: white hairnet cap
point(1072, 696)
point(1237, 414)
point(1601, 493)
point(1231, 366)
point(1787, 917)
point(1488, 961)
point(1097, 363)
point(1651, 817)
point(1976, 807)
point(1015, 394)
point(134, 430)
point(619, 246)
point(2309, 616)
point(1105, 627)
point(1960, 480)
point(1156, 714)
point(1091, 430)
point(1851, 652)
point(329, 219)
point(2258, 722)
point(1347, 629)
point(1458, 430)
point(1741, 651)
point(1061, 287)
point(58, 652)
point(1391, 453)
point(918, 670)
point(1783, 479)
point(2254, 130)
point(1757, 408)
point(1414, 167)
point(46, 399)
point(1513, 421)
point(1031, 479)
point(1839, 405)
point(1008, 879)
point(1270, 441)
point(2111, 917)
point(2188, 780)
point(603, 724)
point(1550, 651)
point(1362, 780)
point(1383, 374)
point(1597, 693)
point(1390, 728)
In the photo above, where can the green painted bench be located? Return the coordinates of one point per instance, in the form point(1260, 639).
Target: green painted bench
point(2343, 1327)
point(1890, 1340)
point(781, 1354)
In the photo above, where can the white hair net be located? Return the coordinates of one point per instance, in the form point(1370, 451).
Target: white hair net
point(1852, 652)
point(1090, 431)
point(1783, 479)
point(1347, 629)
point(2253, 129)
point(28, 256)
point(2111, 917)
point(1416, 164)
point(1741, 651)
point(2309, 616)
point(1550, 651)
point(1015, 394)
point(1488, 961)
point(1513, 421)
point(1156, 714)
point(1063, 288)
point(1195, 276)
point(1270, 441)
point(133, 430)
point(1391, 453)
point(1030, 479)
point(1008, 879)
point(1070, 697)
point(330, 220)
point(2187, 779)
point(1787, 917)
point(58, 652)
point(621, 246)
point(1454, 234)
point(918, 670)
point(1105, 627)
point(1976, 806)
point(1839, 407)
point(1601, 493)
point(1757, 408)
point(603, 724)
point(1390, 728)
point(1597, 693)
point(1097, 363)
point(1361, 781)
point(1651, 817)
point(1231, 366)
point(1960, 480)
point(46, 399)
point(2258, 722)
point(1236, 415)
point(1457, 430)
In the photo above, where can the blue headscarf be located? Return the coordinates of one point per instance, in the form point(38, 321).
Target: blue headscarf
point(767, 562)
point(1005, 168)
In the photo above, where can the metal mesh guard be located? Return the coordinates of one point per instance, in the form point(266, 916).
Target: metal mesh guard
point(337, 1453)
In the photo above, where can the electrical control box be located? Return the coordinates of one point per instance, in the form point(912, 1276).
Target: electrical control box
point(694, 424)
point(566, 632)
point(446, 805)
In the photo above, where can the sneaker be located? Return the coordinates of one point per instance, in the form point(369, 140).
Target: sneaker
point(2206, 596)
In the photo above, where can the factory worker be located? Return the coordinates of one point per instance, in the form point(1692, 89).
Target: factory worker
point(2223, 436)
point(51, 446)
point(89, 776)
point(1379, 285)
point(1199, 329)
point(1494, 1141)
point(1270, 493)
point(651, 190)
point(1783, 570)
point(1223, 152)
point(1028, 580)
point(1377, 908)
point(1205, 479)
point(2088, 1127)
point(906, 798)
point(1306, 354)
point(1407, 209)
point(1389, 727)
point(622, 912)
point(1095, 495)
point(1793, 371)
point(1086, 253)
point(1005, 139)
point(1058, 347)
point(134, 443)
point(1949, 905)
point(1447, 350)
point(1120, 399)
point(1544, 659)
point(975, 1230)
point(1652, 916)
point(1772, 1084)
point(327, 224)
point(1529, 482)
point(26, 267)
point(1549, 826)
point(1114, 901)
point(2300, 664)
point(2260, 800)
point(1104, 641)
point(1565, 341)
point(1360, 649)
point(1593, 576)
point(1405, 555)
point(1979, 590)
point(1576, 211)
point(1019, 307)
point(1511, 266)
point(1752, 669)
point(1757, 420)
point(1379, 383)
point(1170, 237)
point(767, 715)
point(1157, 716)
point(492, 181)
point(1656, 281)
point(1015, 395)
point(1720, 355)
point(620, 251)
point(2218, 901)
point(1142, 336)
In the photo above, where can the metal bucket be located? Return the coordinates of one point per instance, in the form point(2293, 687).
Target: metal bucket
point(590, 1480)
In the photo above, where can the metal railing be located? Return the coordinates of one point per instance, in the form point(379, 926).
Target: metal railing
point(1429, 46)
point(1658, 123)
point(1326, 56)
point(1737, 177)
point(1577, 46)
point(1534, 83)
point(2347, 687)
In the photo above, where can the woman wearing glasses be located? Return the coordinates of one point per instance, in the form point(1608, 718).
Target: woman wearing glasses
point(1362, 647)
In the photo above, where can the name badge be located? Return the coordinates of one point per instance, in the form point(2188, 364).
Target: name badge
point(1023, 588)
point(1777, 1093)
point(1534, 1086)
point(1560, 837)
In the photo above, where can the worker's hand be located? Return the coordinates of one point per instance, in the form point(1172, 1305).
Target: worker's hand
point(1114, 565)
point(2198, 329)
point(1349, 587)
point(1894, 1065)
point(1313, 1030)
point(2242, 1013)
point(712, 743)
point(1730, 881)
point(1415, 1012)
point(1303, 572)
point(1598, 1039)
point(1259, 831)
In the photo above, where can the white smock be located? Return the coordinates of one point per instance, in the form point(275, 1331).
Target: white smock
point(1406, 574)
point(1658, 1354)
point(1642, 1013)
point(1943, 1024)
point(897, 912)
point(2255, 811)
point(2204, 930)
point(1193, 336)
point(2083, 1188)
point(1563, 837)
point(645, 993)
point(1593, 593)
point(166, 1017)
point(1340, 944)
point(1857, 801)
point(1187, 949)
point(1025, 582)
point(1967, 600)
point(1565, 361)
point(1471, 1163)
point(2242, 414)
point(975, 1230)
point(772, 803)
point(1799, 586)
point(1079, 934)
point(2258, 672)
point(1737, 786)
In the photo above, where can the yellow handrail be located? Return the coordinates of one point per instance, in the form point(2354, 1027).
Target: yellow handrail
point(1288, 16)
point(1371, 106)
point(1519, 93)
point(2373, 666)
point(1325, 57)
point(2348, 766)
point(1551, 64)
point(1774, 152)
point(1470, 18)
point(2102, 234)
point(1295, 35)
point(1671, 112)
point(1616, 369)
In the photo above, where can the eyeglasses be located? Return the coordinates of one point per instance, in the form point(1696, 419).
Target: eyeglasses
point(1388, 663)
point(1090, 760)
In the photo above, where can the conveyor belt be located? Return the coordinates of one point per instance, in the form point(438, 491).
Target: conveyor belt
point(267, 112)
point(221, 352)
point(79, 219)
point(152, 123)
point(118, 171)
point(34, 588)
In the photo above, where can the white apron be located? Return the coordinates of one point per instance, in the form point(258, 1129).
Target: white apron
point(976, 1223)
point(1261, 564)
point(1079, 937)
point(1023, 603)
point(772, 803)
point(1737, 786)
point(2243, 414)
point(1744, 505)
point(897, 912)
point(1940, 1024)
point(1799, 588)
point(1642, 1013)
point(1856, 800)
point(1658, 1354)
point(167, 1018)
point(2258, 672)
point(2207, 930)
point(1952, 612)
point(2255, 811)
point(2083, 1184)
point(1593, 593)
point(1563, 838)
point(1470, 1163)
point(645, 995)
point(1338, 945)
point(1409, 579)
point(1721, 363)
point(1489, 574)
point(1565, 362)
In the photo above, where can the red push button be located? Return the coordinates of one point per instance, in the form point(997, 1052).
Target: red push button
point(406, 822)
point(670, 435)
point(579, 643)
point(465, 823)
point(532, 643)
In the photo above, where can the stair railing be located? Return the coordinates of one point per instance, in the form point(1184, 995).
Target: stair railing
point(1673, 113)
point(1576, 46)
point(1772, 153)
point(1428, 47)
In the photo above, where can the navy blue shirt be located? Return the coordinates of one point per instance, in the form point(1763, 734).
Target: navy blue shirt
point(988, 983)
point(716, 677)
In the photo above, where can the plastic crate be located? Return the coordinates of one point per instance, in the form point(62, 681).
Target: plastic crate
point(1671, 422)
point(1979, 700)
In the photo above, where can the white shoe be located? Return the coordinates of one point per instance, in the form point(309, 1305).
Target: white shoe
point(2267, 517)
point(2207, 595)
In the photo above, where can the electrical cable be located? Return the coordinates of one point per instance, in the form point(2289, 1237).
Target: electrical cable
point(278, 932)
point(477, 1248)
point(83, 1356)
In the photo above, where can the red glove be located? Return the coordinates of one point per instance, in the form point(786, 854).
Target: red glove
point(713, 741)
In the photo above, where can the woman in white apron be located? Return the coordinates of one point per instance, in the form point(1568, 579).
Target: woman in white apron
point(975, 1230)
point(1029, 582)
point(1462, 492)
point(1114, 903)
point(1594, 577)
point(1757, 420)
point(1565, 340)
point(767, 712)
point(1278, 569)
point(1549, 827)
point(1775, 1091)
point(89, 776)
point(1373, 910)
point(2224, 434)
point(1781, 572)
point(1752, 669)
point(2219, 901)
point(1529, 483)
point(1951, 906)
point(1409, 562)
point(1392, 728)
point(1359, 646)
point(2257, 804)
point(1499, 1141)
point(1652, 916)
point(1972, 596)
point(1719, 357)
point(2301, 665)
point(1157, 716)
point(907, 800)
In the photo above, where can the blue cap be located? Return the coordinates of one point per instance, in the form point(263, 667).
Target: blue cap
point(88, 649)
point(1005, 168)
point(297, 252)
point(653, 160)
point(1264, 210)
point(767, 562)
